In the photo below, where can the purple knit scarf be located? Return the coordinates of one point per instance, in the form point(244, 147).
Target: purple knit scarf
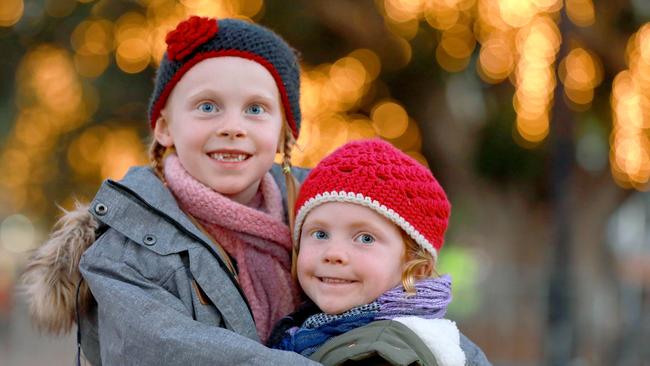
point(432, 296)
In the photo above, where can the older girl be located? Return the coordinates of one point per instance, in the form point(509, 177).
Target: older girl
point(190, 258)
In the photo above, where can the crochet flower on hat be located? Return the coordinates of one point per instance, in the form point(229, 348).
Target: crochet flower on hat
point(188, 35)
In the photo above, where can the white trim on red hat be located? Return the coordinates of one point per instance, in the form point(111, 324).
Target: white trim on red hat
point(358, 198)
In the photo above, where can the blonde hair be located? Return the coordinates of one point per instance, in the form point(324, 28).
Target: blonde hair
point(156, 154)
point(419, 264)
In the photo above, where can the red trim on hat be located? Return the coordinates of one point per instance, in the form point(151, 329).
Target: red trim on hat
point(162, 99)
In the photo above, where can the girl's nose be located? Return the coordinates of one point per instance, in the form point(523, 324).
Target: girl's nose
point(232, 128)
point(335, 254)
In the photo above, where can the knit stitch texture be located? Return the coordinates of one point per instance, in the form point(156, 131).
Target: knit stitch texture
point(197, 39)
point(257, 239)
point(375, 174)
point(430, 301)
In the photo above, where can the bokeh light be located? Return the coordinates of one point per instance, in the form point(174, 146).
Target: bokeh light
point(331, 96)
point(581, 12)
point(93, 42)
point(441, 16)
point(519, 41)
point(389, 119)
point(630, 101)
point(17, 234)
point(496, 60)
point(580, 72)
point(517, 13)
point(538, 44)
point(10, 12)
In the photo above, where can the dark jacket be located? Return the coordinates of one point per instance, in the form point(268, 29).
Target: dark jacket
point(403, 341)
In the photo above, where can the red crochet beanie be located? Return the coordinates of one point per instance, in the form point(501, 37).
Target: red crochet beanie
point(375, 174)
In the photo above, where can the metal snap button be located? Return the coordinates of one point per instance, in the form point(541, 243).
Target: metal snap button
point(101, 209)
point(149, 240)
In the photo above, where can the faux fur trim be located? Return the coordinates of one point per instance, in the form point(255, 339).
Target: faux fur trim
point(441, 336)
point(50, 279)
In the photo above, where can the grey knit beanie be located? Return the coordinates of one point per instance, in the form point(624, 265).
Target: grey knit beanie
point(196, 39)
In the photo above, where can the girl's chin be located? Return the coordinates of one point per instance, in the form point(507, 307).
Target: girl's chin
point(333, 309)
point(230, 186)
point(239, 193)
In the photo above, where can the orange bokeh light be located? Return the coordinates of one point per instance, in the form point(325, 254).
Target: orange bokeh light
point(630, 148)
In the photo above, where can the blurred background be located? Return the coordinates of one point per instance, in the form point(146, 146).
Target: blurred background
point(533, 114)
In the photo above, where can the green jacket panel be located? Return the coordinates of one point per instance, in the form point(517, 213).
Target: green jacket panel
point(390, 340)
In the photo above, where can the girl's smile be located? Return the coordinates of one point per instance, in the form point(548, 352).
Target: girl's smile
point(229, 156)
point(335, 281)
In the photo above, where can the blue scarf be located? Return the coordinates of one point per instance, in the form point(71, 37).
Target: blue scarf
point(430, 301)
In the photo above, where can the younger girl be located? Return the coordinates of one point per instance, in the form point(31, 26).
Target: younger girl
point(370, 221)
point(191, 259)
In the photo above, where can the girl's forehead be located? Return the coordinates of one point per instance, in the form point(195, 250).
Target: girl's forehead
point(349, 214)
point(229, 72)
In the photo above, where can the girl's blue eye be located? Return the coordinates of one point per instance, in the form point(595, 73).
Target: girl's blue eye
point(365, 239)
point(255, 109)
point(319, 235)
point(207, 107)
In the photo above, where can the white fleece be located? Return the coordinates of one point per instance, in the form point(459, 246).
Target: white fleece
point(440, 335)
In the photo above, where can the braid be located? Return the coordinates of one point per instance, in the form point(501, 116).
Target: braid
point(287, 145)
point(292, 188)
point(156, 154)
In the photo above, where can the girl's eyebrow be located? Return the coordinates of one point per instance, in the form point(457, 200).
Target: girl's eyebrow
point(207, 92)
point(364, 225)
point(202, 93)
point(261, 94)
point(317, 223)
point(351, 225)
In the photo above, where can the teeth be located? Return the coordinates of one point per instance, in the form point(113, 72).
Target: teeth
point(229, 157)
point(334, 280)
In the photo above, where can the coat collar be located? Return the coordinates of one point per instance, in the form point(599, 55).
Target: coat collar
point(147, 186)
point(141, 208)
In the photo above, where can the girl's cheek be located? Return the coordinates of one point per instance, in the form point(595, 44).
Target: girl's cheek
point(306, 256)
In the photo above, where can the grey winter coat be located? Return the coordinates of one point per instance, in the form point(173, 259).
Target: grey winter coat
point(164, 293)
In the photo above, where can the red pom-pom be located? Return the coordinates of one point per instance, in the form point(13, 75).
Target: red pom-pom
point(188, 35)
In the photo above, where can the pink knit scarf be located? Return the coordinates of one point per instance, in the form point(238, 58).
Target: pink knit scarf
point(257, 239)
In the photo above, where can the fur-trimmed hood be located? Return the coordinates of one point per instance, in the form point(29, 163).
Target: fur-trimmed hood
point(52, 274)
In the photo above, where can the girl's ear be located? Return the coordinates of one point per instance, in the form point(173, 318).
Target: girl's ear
point(161, 132)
